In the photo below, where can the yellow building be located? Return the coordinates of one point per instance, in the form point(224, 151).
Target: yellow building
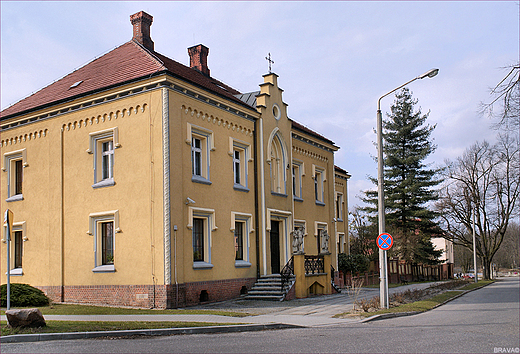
point(136, 180)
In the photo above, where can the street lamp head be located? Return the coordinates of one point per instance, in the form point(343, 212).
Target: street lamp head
point(431, 73)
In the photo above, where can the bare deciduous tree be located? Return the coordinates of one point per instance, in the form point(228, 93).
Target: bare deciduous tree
point(508, 93)
point(484, 181)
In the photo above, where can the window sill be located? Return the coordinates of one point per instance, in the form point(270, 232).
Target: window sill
point(104, 183)
point(105, 269)
point(297, 199)
point(15, 198)
point(200, 179)
point(240, 188)
point(15, 272)
point(320, 203)
point(202, 265)
point(242, 264)
point(279, 194)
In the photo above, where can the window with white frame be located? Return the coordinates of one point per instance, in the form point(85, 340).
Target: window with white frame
point(18, 237)
point(339, 206)
point(102, 146)
point(322, 236)
point(240, 155)
point(241, 227)
point(201, 142)
point(239, 240)
point(201, 223)
point(14, 164)
point(319, 180)
point(104, 227)
point(297, 173)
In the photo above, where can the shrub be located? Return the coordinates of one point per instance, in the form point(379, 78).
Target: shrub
point(356, 263)
point(23, 295)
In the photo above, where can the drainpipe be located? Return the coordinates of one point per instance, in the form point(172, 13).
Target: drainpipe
point(62, 216)
point(257, 222)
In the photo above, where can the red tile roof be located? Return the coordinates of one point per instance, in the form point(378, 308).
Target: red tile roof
point(123, 64)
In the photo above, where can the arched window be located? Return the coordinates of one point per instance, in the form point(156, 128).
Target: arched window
point(278, 163)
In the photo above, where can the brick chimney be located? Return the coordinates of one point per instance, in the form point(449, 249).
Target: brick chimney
point(199, 58)
point(142, 22)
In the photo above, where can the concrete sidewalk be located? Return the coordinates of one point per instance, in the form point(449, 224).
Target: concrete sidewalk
point(316, 311)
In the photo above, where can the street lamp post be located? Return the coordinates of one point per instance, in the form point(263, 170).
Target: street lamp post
point(383, 268)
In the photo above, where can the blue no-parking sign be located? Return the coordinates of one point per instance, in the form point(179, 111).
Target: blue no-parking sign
point(385, 241)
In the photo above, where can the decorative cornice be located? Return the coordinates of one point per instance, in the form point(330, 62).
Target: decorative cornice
point(224, 123)
point(106, 117)
point(18, 139)
point(307, 153)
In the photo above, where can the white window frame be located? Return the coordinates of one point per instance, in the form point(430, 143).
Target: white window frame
point(244, 151)
point(96, 148)
point(207, 145)
point(319, 177)
point(95, 221)
point(16, 227)
point(319, 225)
point(9, 166)
point(208, 215)
point(247, 220)
point(297, 172)
point(339, 206)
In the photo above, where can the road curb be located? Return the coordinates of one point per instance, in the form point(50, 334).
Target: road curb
point(385, 316)
point(22, 338)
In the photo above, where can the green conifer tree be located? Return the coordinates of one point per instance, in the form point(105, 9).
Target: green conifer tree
point(408, 183)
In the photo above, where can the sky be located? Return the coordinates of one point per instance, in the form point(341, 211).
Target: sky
point(334, 59)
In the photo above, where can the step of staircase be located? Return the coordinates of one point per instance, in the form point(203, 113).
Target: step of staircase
point(269, 287)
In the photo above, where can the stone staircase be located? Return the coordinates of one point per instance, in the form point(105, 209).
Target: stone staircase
point(269, 287)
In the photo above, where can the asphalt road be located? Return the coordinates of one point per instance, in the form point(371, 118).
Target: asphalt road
point(483, 321)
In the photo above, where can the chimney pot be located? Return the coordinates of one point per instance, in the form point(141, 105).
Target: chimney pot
point(199, 58)
point(141, 22)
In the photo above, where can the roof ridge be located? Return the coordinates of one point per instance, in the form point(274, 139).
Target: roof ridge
point(150, 53)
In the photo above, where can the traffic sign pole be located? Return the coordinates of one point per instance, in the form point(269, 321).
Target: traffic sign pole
point(8, 221)
point(384, 242)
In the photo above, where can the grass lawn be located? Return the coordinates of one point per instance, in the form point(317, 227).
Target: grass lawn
point(424, 305)
point(83, 326)
point(65, 309)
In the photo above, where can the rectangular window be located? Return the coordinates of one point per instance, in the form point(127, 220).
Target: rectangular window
point(107, 243)
point(339, 206)
point(318, 187)
point(14, 164)
point(102, 146)
point(103, 227)
point(237, 171)
point(200, 148)
point(196, 156)
point(241, 227)
point(239, 151)
point(198, 240)
point(239, 240)
point(297, 172)
point(107, 156)
point(18, 248)
point(18, 176)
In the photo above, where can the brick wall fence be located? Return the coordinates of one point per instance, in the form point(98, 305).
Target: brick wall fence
point(149, 296)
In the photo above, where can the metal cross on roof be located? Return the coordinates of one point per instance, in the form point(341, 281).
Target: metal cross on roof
point(268, 58)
